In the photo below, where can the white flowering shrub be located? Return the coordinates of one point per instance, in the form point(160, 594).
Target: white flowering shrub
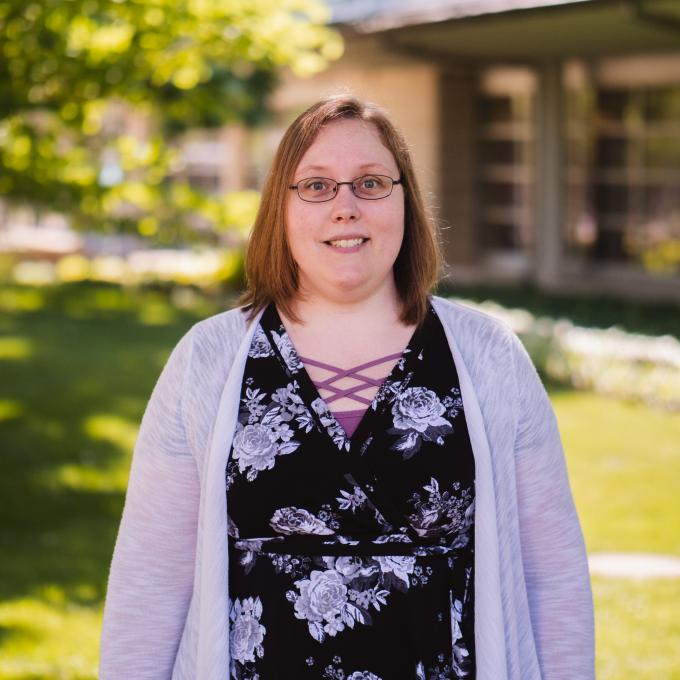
point(609, 361)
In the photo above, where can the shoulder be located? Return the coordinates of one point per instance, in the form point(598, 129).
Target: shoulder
point(214, 341)
point(488, 346)
point(225, 326)
point(463, 320)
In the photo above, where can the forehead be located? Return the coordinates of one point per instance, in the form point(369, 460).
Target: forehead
point(345, 145)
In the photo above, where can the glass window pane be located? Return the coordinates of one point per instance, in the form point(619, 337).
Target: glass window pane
point(623, 170)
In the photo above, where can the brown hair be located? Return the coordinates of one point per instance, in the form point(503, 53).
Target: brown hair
point(271, 272)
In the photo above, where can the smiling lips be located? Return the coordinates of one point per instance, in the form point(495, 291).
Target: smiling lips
point(353, 242)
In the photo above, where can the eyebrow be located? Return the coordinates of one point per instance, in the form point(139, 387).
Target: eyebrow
point(323, 168)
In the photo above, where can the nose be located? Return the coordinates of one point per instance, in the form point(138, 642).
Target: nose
point(345, 206)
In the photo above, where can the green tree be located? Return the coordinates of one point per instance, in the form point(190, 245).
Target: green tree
point(70, 68)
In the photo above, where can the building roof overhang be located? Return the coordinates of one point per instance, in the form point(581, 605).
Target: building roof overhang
point(517, 30)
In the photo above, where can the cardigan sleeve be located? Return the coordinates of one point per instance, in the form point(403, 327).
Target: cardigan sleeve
point(151, 576)
point(553, 548)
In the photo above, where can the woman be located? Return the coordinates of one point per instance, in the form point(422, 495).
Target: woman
point(348, 478)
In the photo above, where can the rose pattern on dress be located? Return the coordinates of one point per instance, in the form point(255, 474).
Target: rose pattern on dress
point(246, 635)
point(399, 565)
point(443, 513)
point(260, 346)
point(293, 520)
point(348, 587)
point(264, 430)
point(340, 595)
point(417, 416)
point(322, 601)
point(287, 350)
point(255, 448)
point(418, 408)
point(351, 567)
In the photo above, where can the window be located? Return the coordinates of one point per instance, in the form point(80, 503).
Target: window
point(505, 148)
point(623, 165)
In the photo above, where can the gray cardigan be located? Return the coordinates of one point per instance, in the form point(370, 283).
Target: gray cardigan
point(166, 612)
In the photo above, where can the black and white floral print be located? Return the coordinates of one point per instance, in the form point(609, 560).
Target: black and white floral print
point(260, 346)
point(443, 513)
point(246, 636)
point(298, 521)
point(345, 592)
point(331, 425)
point(334, 671)
point(287, 351)
point(353, 500)
point(357, 552)
point(418, 416)
point(266, 428)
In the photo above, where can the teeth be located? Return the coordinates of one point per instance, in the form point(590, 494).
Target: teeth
point(347, 242)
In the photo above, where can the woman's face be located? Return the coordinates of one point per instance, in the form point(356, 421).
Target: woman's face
point(345, 248)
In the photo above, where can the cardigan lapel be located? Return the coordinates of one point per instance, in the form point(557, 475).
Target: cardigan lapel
point(489, 629)
point(212, 661)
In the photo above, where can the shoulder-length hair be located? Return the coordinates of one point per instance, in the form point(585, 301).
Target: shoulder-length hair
point(271, 271)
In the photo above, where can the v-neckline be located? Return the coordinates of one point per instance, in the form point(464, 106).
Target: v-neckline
point(309, 390)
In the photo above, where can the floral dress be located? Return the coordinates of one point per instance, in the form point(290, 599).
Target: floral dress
point(351, 558)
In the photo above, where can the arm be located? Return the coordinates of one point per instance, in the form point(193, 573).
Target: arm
point(553, 549)
point(152, 571)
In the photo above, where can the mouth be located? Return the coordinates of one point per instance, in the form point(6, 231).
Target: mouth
point(353, 242)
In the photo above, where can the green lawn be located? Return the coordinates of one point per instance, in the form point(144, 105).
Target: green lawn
point(77, 364)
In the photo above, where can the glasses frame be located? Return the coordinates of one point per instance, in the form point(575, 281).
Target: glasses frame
point(399, 180)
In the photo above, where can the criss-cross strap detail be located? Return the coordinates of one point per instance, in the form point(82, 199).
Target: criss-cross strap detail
point(354, 373)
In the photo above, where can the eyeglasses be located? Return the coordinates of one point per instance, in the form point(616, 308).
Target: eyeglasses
point(368, 187)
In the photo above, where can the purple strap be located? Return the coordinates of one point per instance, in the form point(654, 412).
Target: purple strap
point(353, 373)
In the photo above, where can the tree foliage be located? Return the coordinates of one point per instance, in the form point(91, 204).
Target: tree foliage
point(72, 70)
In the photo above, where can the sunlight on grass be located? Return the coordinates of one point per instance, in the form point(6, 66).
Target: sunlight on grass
point(100, 302)
point(637, 629)
point(48, 637)
point(87, 474)
point(111, 428)
point(156, 314)
point(79, 478)
point(10, 409)
point(624, 465)
point(15, 348)
point(21, 299)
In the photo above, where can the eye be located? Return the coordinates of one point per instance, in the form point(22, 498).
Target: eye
point(315, 185)
point(371, 183)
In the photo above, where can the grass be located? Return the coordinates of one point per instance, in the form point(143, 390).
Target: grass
point(77, 366)
point(637, 629)
point(624, 464)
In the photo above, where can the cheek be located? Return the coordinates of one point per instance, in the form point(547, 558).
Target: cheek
point(295, 228)
point(394, 229)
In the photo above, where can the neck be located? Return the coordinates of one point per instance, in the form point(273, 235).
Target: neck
point(382, 306)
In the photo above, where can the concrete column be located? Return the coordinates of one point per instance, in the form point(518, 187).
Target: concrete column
point(549, 184)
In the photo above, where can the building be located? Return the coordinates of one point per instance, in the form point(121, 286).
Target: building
point(546, 132)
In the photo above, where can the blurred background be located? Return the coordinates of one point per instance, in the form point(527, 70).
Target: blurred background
point(134, 139)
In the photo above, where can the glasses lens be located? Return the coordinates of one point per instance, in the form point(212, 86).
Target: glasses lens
point(316, 189)
point(372, 186)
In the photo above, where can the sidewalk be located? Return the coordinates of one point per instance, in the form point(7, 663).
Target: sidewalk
point(634, 565)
